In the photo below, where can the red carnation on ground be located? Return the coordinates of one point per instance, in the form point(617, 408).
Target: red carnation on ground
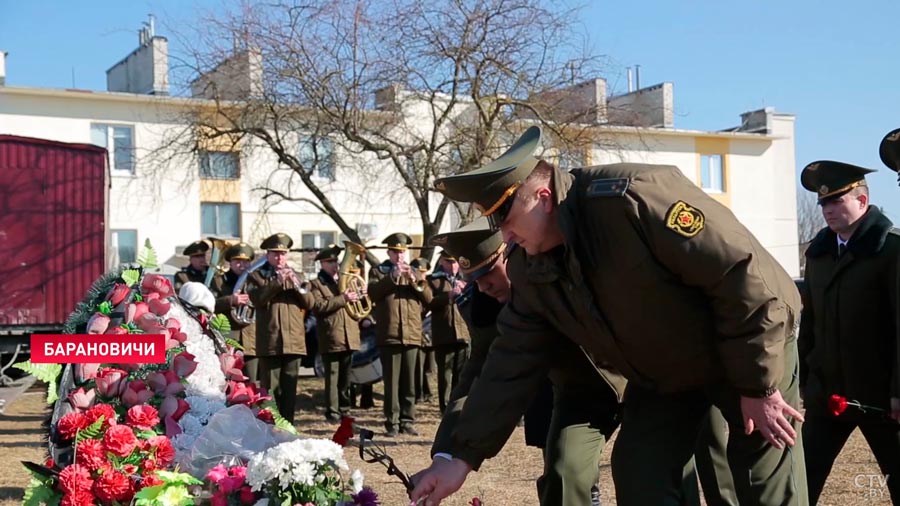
point(120, 440)
point(106, 411)
point(345, 432)
point(143, 417)
point(75, 478)
point(70, 424)
point(113, 486)
point(91, 454)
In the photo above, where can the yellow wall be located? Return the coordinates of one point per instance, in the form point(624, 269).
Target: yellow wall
point(715, 146)
point(220, 190)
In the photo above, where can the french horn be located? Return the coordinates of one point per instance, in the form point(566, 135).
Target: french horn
point(352, 282)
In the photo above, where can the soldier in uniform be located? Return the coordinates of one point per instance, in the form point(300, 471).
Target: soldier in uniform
point(849, 333)
point(399, 294)
point(652, 278)
point(425, 362)
point(336, 330)
point(281, 303)
point(449, 332)
point(238, 257)
point(196, 270)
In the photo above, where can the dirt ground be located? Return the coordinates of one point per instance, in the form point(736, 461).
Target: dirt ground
point(507, 480)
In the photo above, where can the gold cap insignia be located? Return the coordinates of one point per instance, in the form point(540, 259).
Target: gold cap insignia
point(893, 137)
point(464, 262)
point(440, 186)
point(812, 167)
point(684, 219)
point(823, 189)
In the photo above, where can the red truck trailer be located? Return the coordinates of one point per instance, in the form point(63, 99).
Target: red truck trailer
point(53, 235)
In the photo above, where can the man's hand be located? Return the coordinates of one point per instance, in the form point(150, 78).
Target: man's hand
point(769, 415)
point(240, 299)
point(351, 296)
point(895, 409)
point(439, 481)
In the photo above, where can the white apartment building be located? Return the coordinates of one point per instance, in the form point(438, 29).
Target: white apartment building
point(749, 168)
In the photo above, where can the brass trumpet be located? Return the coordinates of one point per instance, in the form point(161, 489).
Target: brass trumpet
point(349, 281)
point(403, 274)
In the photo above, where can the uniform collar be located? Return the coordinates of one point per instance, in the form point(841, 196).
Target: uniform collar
point(868, 239)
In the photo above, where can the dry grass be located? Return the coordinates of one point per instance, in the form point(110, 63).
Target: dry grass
point(507, 480)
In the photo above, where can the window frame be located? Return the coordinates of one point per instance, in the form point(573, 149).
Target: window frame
point(116, 231)
point(204, 155)
point(216, 233)
point(314, 163)
point(110, 140)
point(719, 178)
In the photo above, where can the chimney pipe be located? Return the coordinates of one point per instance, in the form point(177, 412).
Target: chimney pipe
point(637, 77)
point(151, 27)
point(630, 79)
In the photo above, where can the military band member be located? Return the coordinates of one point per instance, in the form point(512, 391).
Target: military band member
point(230, 304)
point(281, 304)
point(849, 333)
point(196, 270)
point(449, 332)
point(336, 331)
point(399, 294)
point(652, 278)
point(425, 362)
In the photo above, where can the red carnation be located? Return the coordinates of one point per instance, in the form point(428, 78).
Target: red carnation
point(165, 454)
point(113, 486)
point(106, 411)
point(120, 440)
point(80, 498)
point(91, 454)
point(837, 404)
point(266, 415)
point(70, 424)
point(151, 480)
point(75, 478)
point(247, 495)
point(143, 417)
point(345, 432)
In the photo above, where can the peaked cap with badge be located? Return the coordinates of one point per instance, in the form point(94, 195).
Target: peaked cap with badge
point(330, 252)
point(239, 251)
point(398, 241)
point(196, 248)
point(277, 242)
point(829, 179)
point(490, 186)
point(421, 263)
point(446, 255)
point(476, 246)
point(890, 151)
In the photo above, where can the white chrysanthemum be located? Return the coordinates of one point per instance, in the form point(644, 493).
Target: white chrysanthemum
point(302, 461)
point(356, 481)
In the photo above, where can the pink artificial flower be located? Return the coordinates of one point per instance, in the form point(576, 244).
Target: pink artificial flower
point(111, 382)
point(217, 473)
point(159, 307)
point(172, 428)
point(97, 324)
point(173, 407)
point(82, 399)
point(232, 363)
point(158, 284)
point(244, 393)
point(136, 393)
point(140, 309)
point(184, 364)
point(173, 325)
point(84, 372)
point(165, 382)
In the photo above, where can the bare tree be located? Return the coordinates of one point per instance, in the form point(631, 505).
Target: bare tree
point(413, 89)
point(809, 217)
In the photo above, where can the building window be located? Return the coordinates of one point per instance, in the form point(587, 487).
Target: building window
point(220, 164)
point(317, 156)
point(311, 241)
point(119, 141)
point(712, 173)
point(124, 244)
point(220, 220)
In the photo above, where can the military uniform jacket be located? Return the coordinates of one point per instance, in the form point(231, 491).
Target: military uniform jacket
point(398, 308)
point(655, 280)
point(223, 288)
point(850, 325)
point(447, 324)
point(335, 329)
point(571, 374)
point(188, 274)
point(280, 312)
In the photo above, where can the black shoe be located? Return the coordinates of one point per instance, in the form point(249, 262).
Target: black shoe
point(391, 432)
point(367, 404)
point(332, 417)
point(409, 430)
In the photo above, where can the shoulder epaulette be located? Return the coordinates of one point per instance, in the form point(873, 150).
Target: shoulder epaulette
point(614, 187)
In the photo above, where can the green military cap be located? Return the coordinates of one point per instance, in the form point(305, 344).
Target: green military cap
point(196, 248)
point(890, 151)
point(398, 241)
point(830, 179)
point(330, 252)
point(476, 246)
point(420, 263)
point(240, 251)
point(277, 242)
point(490, 186)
